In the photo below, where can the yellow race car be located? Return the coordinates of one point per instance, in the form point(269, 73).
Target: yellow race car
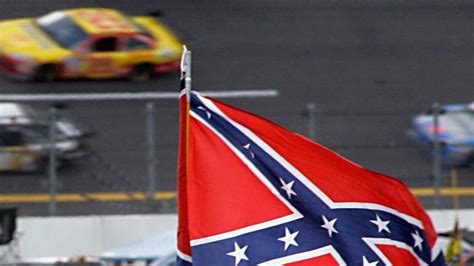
point(87, 43)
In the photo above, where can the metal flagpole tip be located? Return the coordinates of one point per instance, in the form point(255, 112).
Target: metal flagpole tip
point(183, 58)
point(185, 83)
point(185, 61)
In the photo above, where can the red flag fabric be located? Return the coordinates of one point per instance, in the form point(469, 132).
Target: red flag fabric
point(254, 193)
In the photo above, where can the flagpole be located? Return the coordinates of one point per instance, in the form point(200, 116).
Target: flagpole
point(184, 248)
point(187, 72)
point(186, 68)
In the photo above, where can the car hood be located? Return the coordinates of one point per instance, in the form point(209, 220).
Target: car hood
point(23, 36)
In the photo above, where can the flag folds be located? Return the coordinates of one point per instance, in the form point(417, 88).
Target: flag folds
point(254, 193)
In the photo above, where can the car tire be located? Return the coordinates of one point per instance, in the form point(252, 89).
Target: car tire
point(42, 166)
point(141, 73)
point(46, 72)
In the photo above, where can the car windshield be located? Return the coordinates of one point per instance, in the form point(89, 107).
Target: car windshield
point(59, 26)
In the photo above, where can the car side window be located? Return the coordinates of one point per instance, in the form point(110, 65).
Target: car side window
point(136, 44)
point(11, 138)
point(106, 44)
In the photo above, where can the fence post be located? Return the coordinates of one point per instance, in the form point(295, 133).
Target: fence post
point(151, 158)
point(437, 155)
point(311, 111)
point(52, 162)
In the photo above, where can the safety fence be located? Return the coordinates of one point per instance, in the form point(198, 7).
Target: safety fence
point(92, 147)
point(119, 151)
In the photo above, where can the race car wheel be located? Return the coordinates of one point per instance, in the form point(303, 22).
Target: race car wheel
point(45, 72)
point(141, 73)
point(42, 165)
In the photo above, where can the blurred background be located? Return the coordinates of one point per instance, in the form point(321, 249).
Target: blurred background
point(350, 74)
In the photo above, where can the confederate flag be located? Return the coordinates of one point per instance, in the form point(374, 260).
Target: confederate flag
point(254, 193)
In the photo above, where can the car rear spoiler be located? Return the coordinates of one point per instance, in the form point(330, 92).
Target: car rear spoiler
point(157, 13)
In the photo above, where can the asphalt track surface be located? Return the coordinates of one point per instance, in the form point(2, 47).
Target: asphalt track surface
point(368, 68)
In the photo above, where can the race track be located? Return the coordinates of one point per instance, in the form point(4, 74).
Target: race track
point(368, 68)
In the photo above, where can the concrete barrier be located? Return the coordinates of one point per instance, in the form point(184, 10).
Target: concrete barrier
point(85, 235)
point(93, 235)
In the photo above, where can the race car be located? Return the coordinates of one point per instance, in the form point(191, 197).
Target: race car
point(455, 130)
point(25, 139)
point(87, 43)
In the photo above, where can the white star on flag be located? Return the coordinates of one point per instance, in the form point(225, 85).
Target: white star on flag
point(329, 225)
point(238, 253)
point(207, 112)
point(247, 146)
point(381, 225)
point(288, 188)
point(289, 238)
point(367, 263)
point(418, 240)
